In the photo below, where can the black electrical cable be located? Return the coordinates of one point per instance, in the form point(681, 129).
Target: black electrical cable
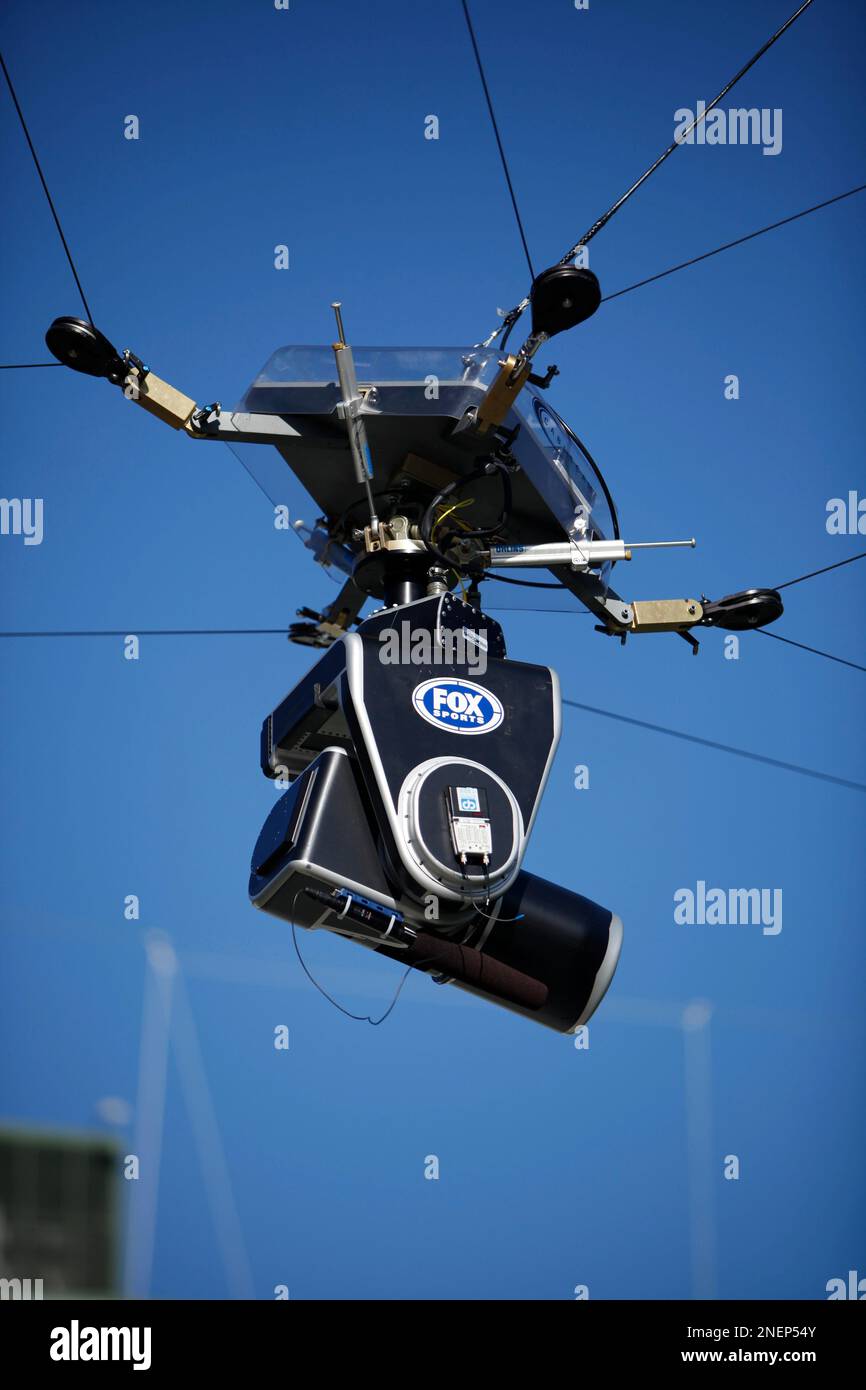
point(739, 241)
point(489, 101)
point(535, 584)
point(428, 519)
point(482, 470)
point(605, 218)
point(598, 473)
point(47, 193)
point(514, 314)
point(510, 321)
point(826, 570)
point(358, 1018)
point(828, 656)
point(484, 533)
point(23, 366)
point(524, 583)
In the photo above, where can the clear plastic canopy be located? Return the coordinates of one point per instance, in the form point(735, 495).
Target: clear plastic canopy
point(279, 386)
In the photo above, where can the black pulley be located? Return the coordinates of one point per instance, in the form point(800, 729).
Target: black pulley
point(561, 297)
point(739, 612)
point(77, 344)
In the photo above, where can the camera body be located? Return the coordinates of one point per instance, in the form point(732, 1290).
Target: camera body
point(417, 754)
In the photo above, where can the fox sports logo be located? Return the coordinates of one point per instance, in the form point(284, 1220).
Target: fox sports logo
point(461, 707)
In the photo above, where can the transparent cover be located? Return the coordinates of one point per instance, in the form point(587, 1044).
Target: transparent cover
point(303, 380)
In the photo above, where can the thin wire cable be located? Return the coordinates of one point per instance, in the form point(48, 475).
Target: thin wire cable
point(592, 709)
point(162, 632)
point(720, 747)
point(493, 121)
point(514, 314)
point(45, 188)
point(583, 613)
point(22, 366)
point(828, 656)
point(525, 583)
point(359, 1018)
point(695, 260)
point(826, 570)
point(605, 218)
point(563, 612)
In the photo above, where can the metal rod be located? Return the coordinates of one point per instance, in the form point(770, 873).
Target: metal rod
point(341, 332)
point(354, 425)
point(660, 545)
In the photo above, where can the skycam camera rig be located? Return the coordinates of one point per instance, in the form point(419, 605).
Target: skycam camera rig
point(415, 751)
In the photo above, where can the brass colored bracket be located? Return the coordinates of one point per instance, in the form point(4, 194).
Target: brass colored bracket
point(501, 394)
point(665, 614)
point(160, 399)
point(396, 534)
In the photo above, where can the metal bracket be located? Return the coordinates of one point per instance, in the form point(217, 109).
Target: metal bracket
point(159, 398)
point(501, 393)
point(665, 614)
point(395, 534)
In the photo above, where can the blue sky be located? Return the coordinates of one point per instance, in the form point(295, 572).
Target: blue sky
point(306, 128)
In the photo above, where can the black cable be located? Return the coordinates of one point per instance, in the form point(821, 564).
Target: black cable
point(521, 916)
point(484, 533)
point(359, 1018)
point(684, 265)
point(510, 321)
point(162, 632)
point(514, 314)
point(524, 583)
point(22, 366)
point(498, 139)
point(605, 218)
point(720, 747)
point(826, 570)
point(47, 194)
point(428, 521)
point(284, 632)
point(791, 643)
point(598, 473)
point(608, 714)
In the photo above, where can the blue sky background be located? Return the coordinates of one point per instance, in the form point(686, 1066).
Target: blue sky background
point(558, 1167)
